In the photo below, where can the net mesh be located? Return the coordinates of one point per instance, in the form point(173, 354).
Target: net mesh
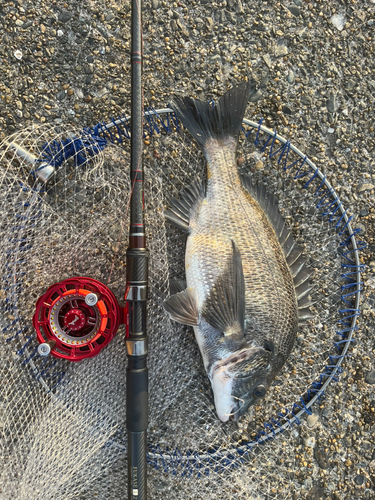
point(63, 433)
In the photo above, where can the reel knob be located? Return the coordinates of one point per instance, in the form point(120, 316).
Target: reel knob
point(76, 318)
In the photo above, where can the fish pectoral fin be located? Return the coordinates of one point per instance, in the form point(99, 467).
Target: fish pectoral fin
point(181, 209)
point(182, 307)
point(224, 307)
point(176, 286)
point(235, 330)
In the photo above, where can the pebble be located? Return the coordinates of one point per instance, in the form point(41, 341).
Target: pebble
point(155, 4)
point(367, 186)
point(294, 10)
point(65, 16)
point(339, 21)
point(370, 377)
point(312, 420)
point(61, 95)
point(315, 493)
point(310, 442)
point(281, 50)
point(215, 58)
point(350, 84)
point(294, 433)
point(174, 25)
point(306, 100)
point(286, 110)
point(291, 76)
point(322, 458)
point(308, 482)
point(359, 480)
point(332, 104)
point(18, 54)
point(267, 60)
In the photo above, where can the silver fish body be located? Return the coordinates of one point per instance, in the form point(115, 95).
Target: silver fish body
point(240, 290)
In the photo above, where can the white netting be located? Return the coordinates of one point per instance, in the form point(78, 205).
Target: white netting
point(62, 424)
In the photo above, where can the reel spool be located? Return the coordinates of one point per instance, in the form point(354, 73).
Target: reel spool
point(76, 318)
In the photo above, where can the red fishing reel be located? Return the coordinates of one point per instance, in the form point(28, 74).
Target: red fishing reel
point(76, 318)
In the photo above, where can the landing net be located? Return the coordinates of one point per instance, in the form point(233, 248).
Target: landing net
point(62, 424)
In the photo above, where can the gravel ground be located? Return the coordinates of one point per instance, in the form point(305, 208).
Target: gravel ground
point(313, 78)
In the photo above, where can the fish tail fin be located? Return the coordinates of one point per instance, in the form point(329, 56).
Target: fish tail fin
point(219, 121)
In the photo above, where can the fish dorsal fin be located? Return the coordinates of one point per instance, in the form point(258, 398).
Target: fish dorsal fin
point(181, 209)
point(292, 251)
point(182, 307)
point(269, 204)
point(224, 307)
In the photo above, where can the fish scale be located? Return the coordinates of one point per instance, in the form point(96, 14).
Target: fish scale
point(240, 296)
point(228, 213)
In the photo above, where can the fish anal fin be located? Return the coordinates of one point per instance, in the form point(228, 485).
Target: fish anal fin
point(182, 307)
point(301, 277)
point(297, 266)
point(224, 307)
point(304, 302)
point(304, 315)
point(303, 290)
point(294, 254)
point(181, 209)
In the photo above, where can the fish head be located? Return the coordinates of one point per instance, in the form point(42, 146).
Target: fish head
point(240, 380)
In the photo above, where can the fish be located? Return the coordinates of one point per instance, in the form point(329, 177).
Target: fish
point(247, 287)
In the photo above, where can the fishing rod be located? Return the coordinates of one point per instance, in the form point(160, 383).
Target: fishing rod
point(136, 283)
point(76, 318)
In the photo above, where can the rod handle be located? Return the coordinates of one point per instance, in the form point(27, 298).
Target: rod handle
point(137, 465)
point(136, 423)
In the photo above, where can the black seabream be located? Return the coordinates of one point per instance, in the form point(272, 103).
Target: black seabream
point(247, 287)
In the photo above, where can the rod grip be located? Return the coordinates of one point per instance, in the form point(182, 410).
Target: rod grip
point(136, 423)
point(137, 394)
point(137, 465)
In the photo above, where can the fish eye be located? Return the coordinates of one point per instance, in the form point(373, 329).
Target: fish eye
point(259, 391)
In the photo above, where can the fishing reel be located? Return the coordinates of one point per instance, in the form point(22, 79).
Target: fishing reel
point(76, 318)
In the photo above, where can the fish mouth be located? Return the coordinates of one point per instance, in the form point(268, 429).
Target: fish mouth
point(239, 408)
point(233, 380)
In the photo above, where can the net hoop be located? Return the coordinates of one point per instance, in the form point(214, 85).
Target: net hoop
point(93, 140)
